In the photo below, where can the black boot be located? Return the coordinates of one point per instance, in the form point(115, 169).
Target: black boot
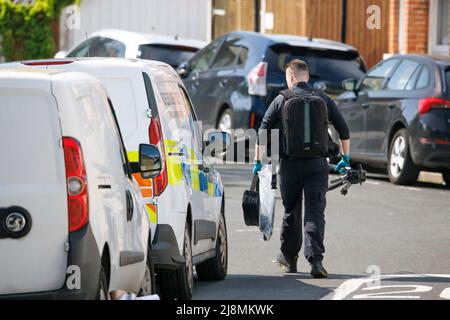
point(288, 265)
point(317, 269)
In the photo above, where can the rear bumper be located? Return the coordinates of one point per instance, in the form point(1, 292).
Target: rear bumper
point(431, 156)
point(84, 262)
point(165, 252)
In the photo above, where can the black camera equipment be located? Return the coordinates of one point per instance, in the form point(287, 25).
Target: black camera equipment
point(351, 177)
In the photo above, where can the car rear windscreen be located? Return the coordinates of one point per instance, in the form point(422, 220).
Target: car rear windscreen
point(170, 54)
point(324, 65)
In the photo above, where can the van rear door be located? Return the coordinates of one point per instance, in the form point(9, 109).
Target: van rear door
point(32, 182)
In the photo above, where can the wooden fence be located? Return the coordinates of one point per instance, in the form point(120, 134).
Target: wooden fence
point(317, 18)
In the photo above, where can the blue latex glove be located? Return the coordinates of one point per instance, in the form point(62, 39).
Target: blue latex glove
point(257, 166)
point(344, 163)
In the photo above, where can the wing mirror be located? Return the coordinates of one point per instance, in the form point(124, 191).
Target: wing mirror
point(218, 142)
point(182, 69)
point(349, 84)
point(150, 164)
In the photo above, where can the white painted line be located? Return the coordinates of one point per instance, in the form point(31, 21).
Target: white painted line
point(350, 286)
point(375, 183)
point(445, 294)
point(246, 230)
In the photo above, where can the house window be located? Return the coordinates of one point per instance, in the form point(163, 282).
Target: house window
point(443, 23)
point(438, 28)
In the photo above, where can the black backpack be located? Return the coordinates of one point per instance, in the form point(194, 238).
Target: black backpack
point(305, 125)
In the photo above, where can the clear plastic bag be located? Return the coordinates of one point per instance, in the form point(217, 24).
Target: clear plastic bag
point(267, 202)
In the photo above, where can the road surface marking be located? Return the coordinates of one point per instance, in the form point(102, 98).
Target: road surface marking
point(445, 294)
point(350, 286)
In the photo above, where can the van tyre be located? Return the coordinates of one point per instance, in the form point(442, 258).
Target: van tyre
point(102, 288)
point(148, 285)
point(401, 169)
point(215, 269)
point(179, 284)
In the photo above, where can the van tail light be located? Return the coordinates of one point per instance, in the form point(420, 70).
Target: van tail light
point(156, 138)
point(77, 193)
point(47, 63)
point(425, 105)
point(257, 80)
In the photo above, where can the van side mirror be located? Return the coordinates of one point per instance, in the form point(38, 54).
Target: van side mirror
point(182, 69)
point(349, 84)
point(150, 163)
point(218, 142)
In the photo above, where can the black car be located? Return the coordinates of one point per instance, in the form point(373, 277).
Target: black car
point(399, 116)
point(234, 79)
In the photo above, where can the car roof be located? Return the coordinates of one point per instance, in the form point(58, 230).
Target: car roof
point(441, 60)
point(299, 41)
point(98, 63)
point(139, 38)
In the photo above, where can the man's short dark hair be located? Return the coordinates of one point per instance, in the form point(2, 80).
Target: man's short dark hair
point(297, 66)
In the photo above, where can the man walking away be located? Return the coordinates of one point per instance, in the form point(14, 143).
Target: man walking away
point(302, 115)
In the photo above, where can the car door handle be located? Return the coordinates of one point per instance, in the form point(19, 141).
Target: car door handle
point(392, 106)
point(130, 206)
point(223, 83)
point(366, 106)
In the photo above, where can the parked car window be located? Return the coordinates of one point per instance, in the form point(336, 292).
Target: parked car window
point(173, 55)
point(413, 79)
point(424, 79)
point(82, 50)
point(100, 47)
point(203, 60)
point(402, 75)
point(447, 82)
point(376, 77)
point(231, 55)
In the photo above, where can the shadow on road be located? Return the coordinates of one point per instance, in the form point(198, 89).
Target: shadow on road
point(257, 287)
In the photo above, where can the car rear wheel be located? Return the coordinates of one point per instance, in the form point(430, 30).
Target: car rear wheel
point(179, 284)
point(401, 169)
point(102, 289)
point(148, 285)
point(216, 268)
point(225, 121)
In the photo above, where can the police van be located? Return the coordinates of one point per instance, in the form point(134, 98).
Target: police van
point(186, 201)
point(73, 224)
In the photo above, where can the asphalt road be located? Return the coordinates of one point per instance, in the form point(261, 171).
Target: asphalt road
point(382, 242)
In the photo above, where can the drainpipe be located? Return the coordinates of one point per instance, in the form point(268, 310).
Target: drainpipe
point(344, 21)
point(257, 16)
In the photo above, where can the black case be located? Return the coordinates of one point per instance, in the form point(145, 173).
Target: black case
point(250, 204)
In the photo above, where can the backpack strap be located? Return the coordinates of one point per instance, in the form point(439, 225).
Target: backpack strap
point(288, 94)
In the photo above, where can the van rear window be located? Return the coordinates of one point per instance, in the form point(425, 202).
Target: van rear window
point(325, 65)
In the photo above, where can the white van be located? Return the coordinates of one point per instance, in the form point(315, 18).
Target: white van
point(186, 202)
point(73, 224)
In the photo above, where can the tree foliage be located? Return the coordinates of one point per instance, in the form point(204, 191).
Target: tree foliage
point(26, 27)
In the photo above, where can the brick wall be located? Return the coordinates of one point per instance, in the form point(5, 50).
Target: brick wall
point(416, 14)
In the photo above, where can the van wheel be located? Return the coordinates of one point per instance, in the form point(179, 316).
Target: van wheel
point(215, 268)
point(102, 289)
point(179, 284)
point(225, 121)
point(148, 285)
point(401, 169)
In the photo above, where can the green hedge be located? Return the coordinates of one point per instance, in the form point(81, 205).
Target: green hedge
point(25, 29)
